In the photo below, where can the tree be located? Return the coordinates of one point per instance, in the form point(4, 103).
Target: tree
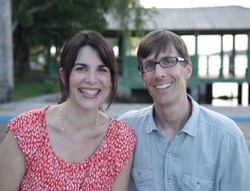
point(39, 23)
point(6, 61)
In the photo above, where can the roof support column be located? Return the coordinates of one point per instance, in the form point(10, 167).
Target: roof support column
point(248, 58)
point(248, 66)
point(232, 60)
point(221, 57)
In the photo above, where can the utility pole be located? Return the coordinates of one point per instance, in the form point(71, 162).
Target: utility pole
point(6, 52)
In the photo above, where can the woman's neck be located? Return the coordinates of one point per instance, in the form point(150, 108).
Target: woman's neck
point(77, 117)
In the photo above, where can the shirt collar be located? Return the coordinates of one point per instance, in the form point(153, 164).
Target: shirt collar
point(190, 127)
point(151, 125)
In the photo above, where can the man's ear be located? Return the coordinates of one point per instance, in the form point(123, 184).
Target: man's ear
point(189, 70)
point(62, 75)
point(142, 79)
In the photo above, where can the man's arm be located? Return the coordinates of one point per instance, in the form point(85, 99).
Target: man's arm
point(237, 171)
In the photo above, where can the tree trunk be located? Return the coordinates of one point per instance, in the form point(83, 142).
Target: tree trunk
point(6, 53)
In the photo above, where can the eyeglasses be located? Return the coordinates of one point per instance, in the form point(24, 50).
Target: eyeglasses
point(166, 62)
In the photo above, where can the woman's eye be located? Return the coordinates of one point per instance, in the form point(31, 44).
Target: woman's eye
point(103, 69)
point(81, 68)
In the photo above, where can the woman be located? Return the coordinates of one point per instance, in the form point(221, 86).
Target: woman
point(72, 145)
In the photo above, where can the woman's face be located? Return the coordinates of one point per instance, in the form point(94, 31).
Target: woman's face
point(90, 79)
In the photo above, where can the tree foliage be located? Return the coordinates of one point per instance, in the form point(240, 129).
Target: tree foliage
point(38, 23)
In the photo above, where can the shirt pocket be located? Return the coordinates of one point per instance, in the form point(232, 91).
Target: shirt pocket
point(198, 183)
point(143, 178)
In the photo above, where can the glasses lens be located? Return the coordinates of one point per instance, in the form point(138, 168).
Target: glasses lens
point(165, 63)
point(148, 66)
point(168, 62)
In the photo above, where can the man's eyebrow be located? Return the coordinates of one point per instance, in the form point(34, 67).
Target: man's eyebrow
point(149, 60)
point(154, 60)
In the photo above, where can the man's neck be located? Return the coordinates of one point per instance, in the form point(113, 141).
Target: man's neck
point(171, 120)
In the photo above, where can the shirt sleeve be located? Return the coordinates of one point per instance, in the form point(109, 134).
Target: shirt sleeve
point(27, 131)
point(124, 144)
point(237, 171)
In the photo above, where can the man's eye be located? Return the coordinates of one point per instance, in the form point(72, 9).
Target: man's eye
point(169, 60)
point(149, 65)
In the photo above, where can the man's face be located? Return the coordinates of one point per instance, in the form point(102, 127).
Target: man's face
point(167, 85)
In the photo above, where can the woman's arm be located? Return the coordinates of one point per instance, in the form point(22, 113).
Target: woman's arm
point(122, 181)
point(12, 165)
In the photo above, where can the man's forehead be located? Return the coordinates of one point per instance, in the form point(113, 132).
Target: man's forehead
point(170, 51)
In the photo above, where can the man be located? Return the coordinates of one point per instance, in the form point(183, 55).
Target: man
point(181, 145)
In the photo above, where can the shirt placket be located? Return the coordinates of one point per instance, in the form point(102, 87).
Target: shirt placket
point(168, 168)
point(169, 163)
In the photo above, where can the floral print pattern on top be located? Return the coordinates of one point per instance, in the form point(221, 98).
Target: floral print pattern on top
point(46, 171)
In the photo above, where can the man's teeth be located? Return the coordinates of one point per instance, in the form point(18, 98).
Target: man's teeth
point(163, 86)
point(90, 92)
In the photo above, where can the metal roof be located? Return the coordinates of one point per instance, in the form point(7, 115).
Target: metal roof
point(204, 20)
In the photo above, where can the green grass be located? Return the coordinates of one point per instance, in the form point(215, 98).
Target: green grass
point(28, 88)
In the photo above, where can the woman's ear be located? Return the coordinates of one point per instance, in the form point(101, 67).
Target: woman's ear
point(62, 75)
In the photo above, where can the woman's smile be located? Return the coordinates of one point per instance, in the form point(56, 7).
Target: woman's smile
point(89, 92)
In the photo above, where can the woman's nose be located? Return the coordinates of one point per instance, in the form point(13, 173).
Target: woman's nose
point(91, 77)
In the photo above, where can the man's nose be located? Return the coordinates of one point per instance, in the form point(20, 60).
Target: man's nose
point(159, 71)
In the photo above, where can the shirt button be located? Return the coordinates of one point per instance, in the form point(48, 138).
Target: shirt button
point(168, 181)
point(198, 185)
point(169, 155)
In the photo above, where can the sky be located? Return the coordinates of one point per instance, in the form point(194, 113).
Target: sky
point(193, 3)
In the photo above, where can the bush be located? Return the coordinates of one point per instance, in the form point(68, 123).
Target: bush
point(28, 88)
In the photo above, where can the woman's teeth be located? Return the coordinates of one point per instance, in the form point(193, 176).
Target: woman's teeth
point(90, 92)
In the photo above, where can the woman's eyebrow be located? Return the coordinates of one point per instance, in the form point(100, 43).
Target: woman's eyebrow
point(102, 66)
point(81, 64)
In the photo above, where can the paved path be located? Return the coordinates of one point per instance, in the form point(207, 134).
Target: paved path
point(240, 114)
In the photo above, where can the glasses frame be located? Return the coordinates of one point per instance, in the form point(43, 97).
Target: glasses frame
point(177, 58)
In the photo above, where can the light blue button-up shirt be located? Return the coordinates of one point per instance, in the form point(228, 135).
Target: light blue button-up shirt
point(209, 154)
